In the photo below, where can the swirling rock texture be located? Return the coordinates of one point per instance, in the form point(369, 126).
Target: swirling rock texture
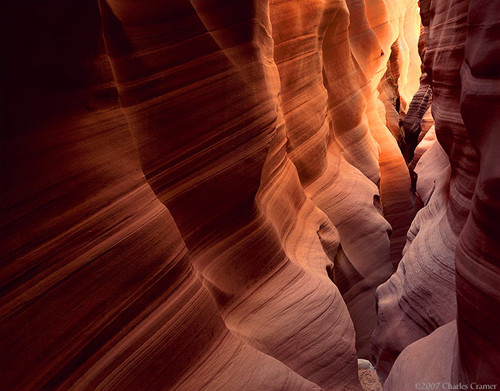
point(420, 296)
point(98, 289)
point(326, 176)
point(381, 23)
point(463, 44)
point(200, 195)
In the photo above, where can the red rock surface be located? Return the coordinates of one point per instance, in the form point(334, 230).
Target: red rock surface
point(326, 176)
point(98, 290)
point(201, 195)
point(462, 57)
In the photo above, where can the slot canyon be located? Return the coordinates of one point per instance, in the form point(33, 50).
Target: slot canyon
point(250, 195)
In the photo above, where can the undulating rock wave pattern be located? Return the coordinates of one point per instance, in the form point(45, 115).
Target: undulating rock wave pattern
point(205, 194)
point(98, 287)
point(446, 286)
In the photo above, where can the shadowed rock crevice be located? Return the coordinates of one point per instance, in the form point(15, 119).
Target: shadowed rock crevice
point(248, 195)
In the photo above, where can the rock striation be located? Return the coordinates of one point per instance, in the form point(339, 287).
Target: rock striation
point(98, 288)
point(462, 320)
point(213, 194)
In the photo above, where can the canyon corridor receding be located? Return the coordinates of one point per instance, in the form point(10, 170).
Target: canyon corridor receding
point(250, 195)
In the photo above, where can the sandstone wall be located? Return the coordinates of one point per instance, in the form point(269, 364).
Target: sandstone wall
point(205, 195)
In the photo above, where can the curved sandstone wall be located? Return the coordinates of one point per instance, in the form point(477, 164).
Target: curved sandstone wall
point(460, 283)
point(206, 194)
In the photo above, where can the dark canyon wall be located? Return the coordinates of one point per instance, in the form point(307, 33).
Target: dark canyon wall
point(206, 195)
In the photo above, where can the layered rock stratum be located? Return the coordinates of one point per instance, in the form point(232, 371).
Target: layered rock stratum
point(242, 195)
point(463, 43)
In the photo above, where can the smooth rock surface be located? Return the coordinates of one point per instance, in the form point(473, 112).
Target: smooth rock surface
point(98, 289)
point(462, 57)
point(213, 194)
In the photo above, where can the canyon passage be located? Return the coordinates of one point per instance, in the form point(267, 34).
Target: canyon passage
point(226, 195)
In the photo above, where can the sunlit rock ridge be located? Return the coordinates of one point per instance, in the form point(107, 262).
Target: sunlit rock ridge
point(249, 195)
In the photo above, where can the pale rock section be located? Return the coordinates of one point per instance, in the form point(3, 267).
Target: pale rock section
point(423, 146)
point(409, 55)
point(409, 305)
point(420, 296)
point(434, 355)
point(463, 48)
